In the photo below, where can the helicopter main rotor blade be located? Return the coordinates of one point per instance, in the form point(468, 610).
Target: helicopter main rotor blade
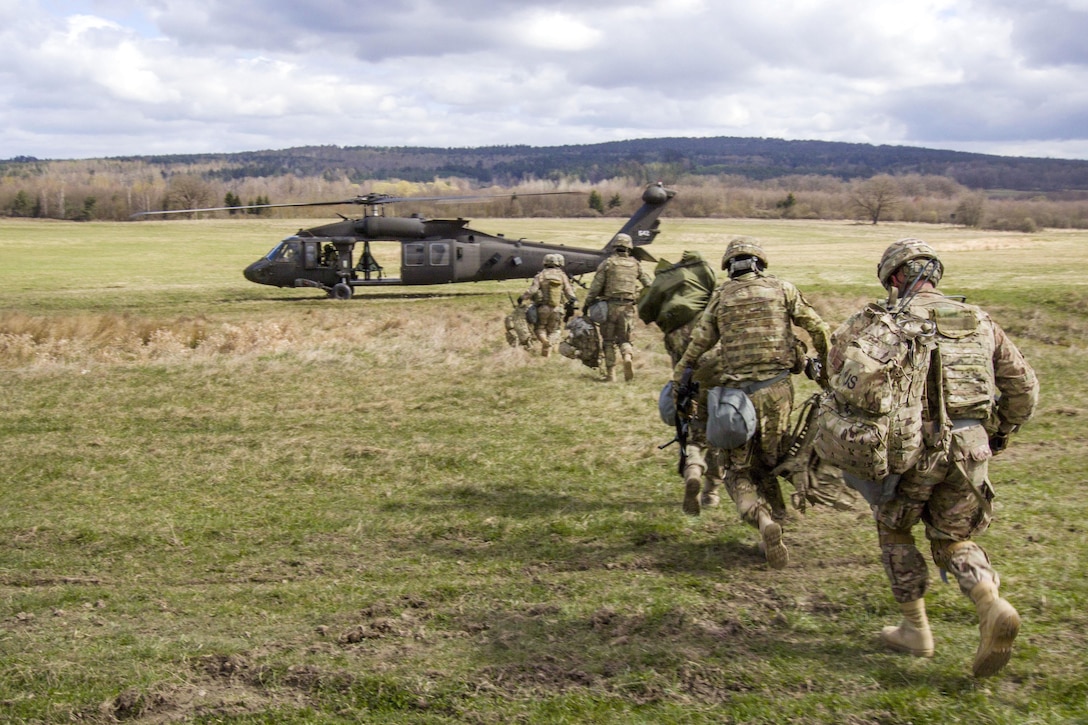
point(366, 200)
point(477, 197)
point(235, 208)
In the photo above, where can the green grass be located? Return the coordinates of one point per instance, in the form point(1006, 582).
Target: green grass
point(224, 503)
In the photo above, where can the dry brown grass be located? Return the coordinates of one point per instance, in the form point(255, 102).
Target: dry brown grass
point(265, 506)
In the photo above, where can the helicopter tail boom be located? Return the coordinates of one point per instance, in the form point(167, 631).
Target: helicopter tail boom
point(643, 225)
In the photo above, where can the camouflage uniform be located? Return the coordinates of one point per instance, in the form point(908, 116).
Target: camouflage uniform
point(517, 328)
point(549, 289)
point(676, 341)
point(948, 489)
point(703, 473)
point(703, 467)
point(752, 315)
point(618, 280)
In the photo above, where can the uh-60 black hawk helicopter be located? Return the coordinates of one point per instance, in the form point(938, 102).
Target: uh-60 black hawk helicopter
point(433, 251)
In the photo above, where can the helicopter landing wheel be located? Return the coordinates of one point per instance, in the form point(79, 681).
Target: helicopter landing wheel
point(341, 291)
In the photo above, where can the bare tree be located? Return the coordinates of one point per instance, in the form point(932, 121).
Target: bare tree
point(188, 191)
point(971, 210)
point(875, 197)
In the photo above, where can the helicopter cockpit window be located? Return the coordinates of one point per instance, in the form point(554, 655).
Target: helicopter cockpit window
point(414, 254)
point(440, 255)
point(285, 252)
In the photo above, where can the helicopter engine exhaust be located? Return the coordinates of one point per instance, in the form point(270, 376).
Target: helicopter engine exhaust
point(379, 227)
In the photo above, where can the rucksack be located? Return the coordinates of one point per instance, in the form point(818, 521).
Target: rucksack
point(869, 424)
point(582, 342)
point(517, 327)
point(678, 293)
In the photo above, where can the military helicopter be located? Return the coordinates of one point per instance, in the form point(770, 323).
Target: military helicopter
point(433, 251)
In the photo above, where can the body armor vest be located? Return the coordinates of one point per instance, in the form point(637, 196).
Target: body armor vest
point(754, 325)
point(621, 282)
point(966, 345)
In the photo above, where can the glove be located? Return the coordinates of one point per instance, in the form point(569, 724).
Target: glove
point(999, 439)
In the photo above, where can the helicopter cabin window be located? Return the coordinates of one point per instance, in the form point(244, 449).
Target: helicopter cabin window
point(285, 252)
point(310, 253)
point(414, 254)
point(440, 255)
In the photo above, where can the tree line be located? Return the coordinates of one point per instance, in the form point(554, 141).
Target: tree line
point(115, 189)
point(752, 158)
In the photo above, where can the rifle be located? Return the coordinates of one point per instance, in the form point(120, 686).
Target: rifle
point(686, 393)
point(568, 310)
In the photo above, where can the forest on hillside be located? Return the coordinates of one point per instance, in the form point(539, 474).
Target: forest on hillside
point(716, 177)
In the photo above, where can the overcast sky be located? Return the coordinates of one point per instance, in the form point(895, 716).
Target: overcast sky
point(94, 78)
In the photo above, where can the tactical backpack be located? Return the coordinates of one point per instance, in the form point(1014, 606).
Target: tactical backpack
point(678, 293)
point(870, 423)
point(517, 328)
point(582, 342)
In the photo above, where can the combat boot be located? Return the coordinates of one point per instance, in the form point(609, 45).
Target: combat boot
point(912, 635)
point(778, 556)
point(710, 497)
point(610, 374)
point(545, 349)
point(693, 476)
point(998, 625)
point(628, 367)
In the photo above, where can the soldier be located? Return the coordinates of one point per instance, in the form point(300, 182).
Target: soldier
point(948, 489)
point(617, 281)
point(516, 323)
point(674, 302)
point(550, 291)
point(752, 315)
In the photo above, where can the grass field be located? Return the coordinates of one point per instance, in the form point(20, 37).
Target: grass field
point(224, 503)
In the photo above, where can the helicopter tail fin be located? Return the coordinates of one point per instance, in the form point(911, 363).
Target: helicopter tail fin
point(642, 227)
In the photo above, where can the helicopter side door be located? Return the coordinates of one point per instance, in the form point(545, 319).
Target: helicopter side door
point(319, 260)
point(466, 262)
point(427, 262)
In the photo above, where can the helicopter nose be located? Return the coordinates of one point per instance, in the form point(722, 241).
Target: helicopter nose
point(256, 272)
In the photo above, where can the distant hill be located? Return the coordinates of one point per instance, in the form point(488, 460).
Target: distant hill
point(752, 158)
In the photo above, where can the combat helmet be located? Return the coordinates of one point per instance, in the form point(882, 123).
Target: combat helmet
point(743, 246)
point(554, 260)
point(622, 243)
point(915, 254)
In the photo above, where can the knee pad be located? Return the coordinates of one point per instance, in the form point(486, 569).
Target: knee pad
point(944, 550)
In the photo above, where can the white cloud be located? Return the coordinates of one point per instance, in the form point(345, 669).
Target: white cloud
point(552, 30)
point(121, 77)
